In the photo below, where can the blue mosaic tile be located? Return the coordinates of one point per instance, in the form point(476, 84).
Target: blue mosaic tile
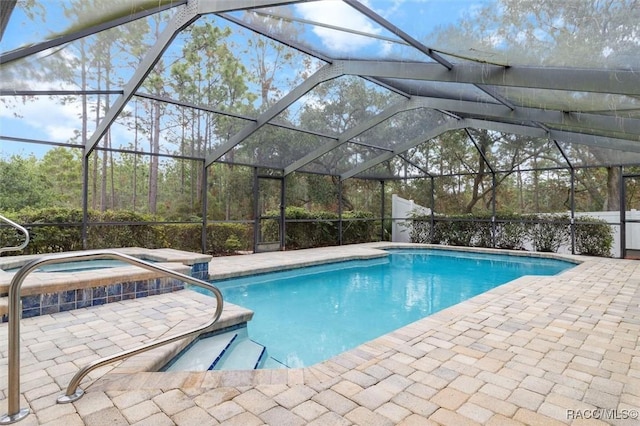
point(142, 286)
point(29, 313)
point(128, 288)
point(30, 302)
point(114, 298)
point(50, 299)
point(67, 306)
point(114, 290)
point(99, 292)
point(68, 297)
point(84, 295)
point(83, 303)
point(81, 298)
point(166, 285)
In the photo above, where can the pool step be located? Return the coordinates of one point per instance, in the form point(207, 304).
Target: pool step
point(233, 350)
point(204, 353)
point(245, 354)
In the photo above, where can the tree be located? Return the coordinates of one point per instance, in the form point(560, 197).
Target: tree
point(550, 33)
point(22, 185)
point(61, 168)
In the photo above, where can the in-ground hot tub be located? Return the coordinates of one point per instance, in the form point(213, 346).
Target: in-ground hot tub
point(72, 285)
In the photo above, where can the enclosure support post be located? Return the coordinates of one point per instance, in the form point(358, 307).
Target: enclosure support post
point(572, 225)
point(205, 192)
point(339, 211)
point(493, 209)
point(382, 210)
point(623, 218)
point(283, 214)
point(573, 210)
point(256, 210)
point(85, 201)
point(433, 201)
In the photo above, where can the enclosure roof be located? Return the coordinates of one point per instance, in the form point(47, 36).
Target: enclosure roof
point(342, 87)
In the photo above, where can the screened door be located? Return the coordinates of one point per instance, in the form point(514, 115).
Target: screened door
point(630, 217)
point(269, 213)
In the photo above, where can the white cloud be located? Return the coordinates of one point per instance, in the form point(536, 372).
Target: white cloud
point(41, 116)
point(339, 14)
point(47, 118)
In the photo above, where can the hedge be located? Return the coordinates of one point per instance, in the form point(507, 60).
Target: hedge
point(55, 230)
point(305, 229)
point(545, 233)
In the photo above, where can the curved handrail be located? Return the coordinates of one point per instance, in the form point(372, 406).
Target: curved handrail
point(73, 393)
point(19, 228)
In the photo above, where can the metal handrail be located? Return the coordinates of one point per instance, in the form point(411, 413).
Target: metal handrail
point(19, 228)
point(73, 392)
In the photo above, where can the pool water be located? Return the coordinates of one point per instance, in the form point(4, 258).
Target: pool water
point(308, 315)
point(79, 266)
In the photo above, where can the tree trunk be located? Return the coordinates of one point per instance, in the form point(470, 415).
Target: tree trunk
point(612, 202)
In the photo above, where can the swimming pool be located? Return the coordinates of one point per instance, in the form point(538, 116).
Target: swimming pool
point(308, 315)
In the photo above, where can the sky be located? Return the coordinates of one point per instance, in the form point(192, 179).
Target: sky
point(44, 118)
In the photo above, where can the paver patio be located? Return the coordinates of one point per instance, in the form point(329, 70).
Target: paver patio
point(538, 350)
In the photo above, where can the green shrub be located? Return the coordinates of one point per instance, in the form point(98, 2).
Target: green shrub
point(549, 233)
point(306, 229)
point(546, 233)
point(357, 227)
point(58, 230)
point(125, 229)
point(219, 234)
point(511, 232)
point(420, 230)
point(594, 238)
point(457, 231)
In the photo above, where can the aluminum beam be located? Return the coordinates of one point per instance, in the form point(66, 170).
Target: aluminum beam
point(6, 8)
point(356, 131)
point(328, 72)
point(220, 6)
point(185, 16)
point(621, 82)
point(450, 125)
point(571, 137)
point(84, 32)
point(399, 32)
point(585, 121)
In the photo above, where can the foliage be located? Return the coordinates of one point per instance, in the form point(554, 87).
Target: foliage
point(305, 229)
point(511, 232)
point(22, 184)
point(137, 231)
point(55, 230)
point(593, 237)
point(548, 233)
point(221, 238)
point(545, 233)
